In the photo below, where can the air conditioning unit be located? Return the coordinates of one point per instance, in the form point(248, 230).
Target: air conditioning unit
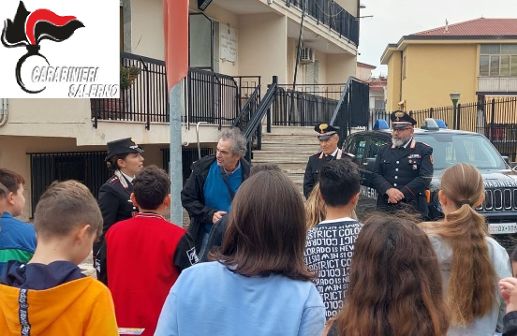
point(307, 56)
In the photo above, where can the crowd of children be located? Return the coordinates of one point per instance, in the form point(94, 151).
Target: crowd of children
point(277, 266)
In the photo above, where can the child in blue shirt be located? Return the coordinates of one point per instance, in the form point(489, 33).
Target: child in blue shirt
point(17, 239)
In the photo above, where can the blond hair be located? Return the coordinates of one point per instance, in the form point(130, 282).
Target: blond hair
point(315, 209)
point(65, 206)
point(472, 282)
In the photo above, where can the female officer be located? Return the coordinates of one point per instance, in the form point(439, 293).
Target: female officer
point(125, 158)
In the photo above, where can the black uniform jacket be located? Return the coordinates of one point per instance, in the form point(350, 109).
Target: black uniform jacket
point(114, 202)
point(310, 177)
point(115, 206)
point(193, 199)
point(408, 169)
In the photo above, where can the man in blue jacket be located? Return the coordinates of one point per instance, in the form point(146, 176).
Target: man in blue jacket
point(209, 191)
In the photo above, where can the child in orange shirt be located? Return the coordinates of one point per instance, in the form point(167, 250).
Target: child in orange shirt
point(49, 295)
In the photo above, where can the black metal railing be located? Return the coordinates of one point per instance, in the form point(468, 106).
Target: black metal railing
point(145, 99)
point(86, 167)
point(211, 97)
point(496, 118)
point(331, 14)
point(188, 156)
point(306, 105)
point(253, 129)
point(247, 86)
point(248, 111)
point(352, 109)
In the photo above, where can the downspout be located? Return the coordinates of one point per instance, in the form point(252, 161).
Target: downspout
point(4, 111)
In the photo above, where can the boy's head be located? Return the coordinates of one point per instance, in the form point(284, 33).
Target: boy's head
point(67, 211)
point(11, 192)
point(339, 183)
point(151, 189)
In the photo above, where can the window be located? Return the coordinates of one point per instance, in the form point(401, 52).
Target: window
point(377, 143)
point(450, 149)
point(498, 60)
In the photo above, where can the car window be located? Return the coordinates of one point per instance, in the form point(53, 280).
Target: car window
point(377, 143)
point(357, 146)
point(450, 149)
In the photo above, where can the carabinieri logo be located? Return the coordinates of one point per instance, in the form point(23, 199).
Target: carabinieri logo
point(29, 28)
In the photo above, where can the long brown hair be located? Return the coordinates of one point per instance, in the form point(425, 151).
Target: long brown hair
point(395, 284)
point(315, 209)
point(471, 288)
point(266, 228)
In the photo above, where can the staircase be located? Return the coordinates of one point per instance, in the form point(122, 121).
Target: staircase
point(289, 147)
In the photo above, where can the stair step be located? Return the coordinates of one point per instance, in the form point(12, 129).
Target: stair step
point(282, 146)
point(297, 130)
point(259, 156)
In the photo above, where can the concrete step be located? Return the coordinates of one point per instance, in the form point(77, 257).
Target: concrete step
point(292, 139)
point(290, 156)
point(285, 146)
point(291, 130)
point(292, 164)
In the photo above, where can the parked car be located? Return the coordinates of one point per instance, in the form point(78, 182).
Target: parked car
point(449, 148)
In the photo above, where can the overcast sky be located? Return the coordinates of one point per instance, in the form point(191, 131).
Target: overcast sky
point(394, 18)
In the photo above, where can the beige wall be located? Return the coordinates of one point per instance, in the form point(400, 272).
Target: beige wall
point(15, 149)
point(340, 67)
point(225, 19)
point(363, 73)
point(263, 47)
point(147, 28)
point(434, 71)
point(14, 156)
point(322, 59)
point(394, 81)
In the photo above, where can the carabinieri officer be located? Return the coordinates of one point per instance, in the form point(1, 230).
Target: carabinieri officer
point(403, 168)
point(329, 138)
point(125, 158)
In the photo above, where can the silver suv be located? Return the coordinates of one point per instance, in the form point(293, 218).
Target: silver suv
point(449, 148)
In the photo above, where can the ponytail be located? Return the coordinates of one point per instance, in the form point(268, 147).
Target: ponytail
point(472, 282)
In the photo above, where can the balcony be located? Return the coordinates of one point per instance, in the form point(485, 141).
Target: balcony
point(331, 14)
point(497, 85)
point(210, 97)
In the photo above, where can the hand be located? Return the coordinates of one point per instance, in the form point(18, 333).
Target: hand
point(217, 216)
point(394, 195)
point(508, 289)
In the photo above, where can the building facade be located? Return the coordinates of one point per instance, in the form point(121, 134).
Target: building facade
point(236, 47)
point(476, 58)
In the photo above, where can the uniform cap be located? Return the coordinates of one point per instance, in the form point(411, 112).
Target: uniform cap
point(325, 131)
point(400, 119)
point(122, 146)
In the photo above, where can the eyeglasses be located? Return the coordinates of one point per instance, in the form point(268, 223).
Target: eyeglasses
point(401, 129)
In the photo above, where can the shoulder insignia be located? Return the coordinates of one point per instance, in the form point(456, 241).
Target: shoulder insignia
point(113, 179)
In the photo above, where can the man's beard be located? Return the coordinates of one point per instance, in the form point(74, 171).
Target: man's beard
point(400, 142)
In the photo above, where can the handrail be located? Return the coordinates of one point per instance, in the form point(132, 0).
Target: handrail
point(264, 106)
point(246, 107)
point(342, 113)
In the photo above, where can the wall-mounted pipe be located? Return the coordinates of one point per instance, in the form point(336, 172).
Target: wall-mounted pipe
point(4, 111)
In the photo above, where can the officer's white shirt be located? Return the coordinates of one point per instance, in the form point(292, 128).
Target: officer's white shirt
point(129, 178)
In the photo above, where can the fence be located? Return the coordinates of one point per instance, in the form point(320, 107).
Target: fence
point(188, 156)
point(144, 96)
point(331, 14)
point(495, 118)
point(306, 105)
point(86, 167)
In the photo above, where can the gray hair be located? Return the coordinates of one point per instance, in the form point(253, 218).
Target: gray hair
point(238, 140)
